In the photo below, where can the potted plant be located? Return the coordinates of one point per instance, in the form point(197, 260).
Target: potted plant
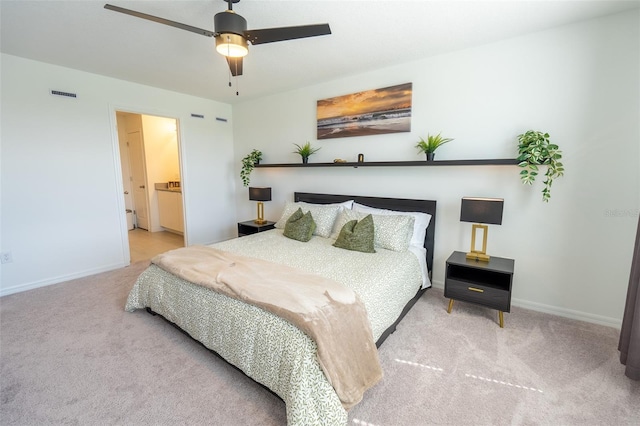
point(248, 163)
point(305, 151)
point(431, 144)
point(534, 149)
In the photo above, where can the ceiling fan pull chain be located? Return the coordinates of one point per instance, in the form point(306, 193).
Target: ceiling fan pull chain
point(235, 64)
point(228, 48)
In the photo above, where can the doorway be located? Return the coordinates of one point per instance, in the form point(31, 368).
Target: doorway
point(149, 157)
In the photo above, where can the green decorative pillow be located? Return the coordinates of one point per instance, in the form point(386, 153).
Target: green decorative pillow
point(357, 235)
point(300, 226)
point(391, 232)
point(323, 215)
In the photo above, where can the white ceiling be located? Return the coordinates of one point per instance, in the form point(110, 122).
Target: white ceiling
point(366, 34)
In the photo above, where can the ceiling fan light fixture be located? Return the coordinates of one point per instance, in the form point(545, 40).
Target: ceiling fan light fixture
point(231, 45)
point(231, 34)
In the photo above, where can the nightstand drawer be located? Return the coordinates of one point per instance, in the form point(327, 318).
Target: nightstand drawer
point(480, 294)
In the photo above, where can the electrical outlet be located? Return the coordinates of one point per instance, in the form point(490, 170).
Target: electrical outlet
point(5, 257)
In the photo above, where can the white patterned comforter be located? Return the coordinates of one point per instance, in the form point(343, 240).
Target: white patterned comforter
point(267, 348)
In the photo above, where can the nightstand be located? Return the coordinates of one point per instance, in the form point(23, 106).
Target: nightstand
point(250, 227)
point(483, 283)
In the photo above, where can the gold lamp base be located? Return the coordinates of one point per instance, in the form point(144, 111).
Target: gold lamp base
point(479, 255)
point(260, 220)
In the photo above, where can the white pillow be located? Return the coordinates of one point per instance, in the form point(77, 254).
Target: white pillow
point(324, 216)
point(392, 232)
point(345, 204)
point(419, 228)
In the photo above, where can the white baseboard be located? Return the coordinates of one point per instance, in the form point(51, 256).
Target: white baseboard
point(37, 284)
point(568, 313)
point(556, 310)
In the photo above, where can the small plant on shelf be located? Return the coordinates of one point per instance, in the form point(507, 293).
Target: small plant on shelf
point(248, 163)
point(431, 144)
point(305, 151)
point(534, 149)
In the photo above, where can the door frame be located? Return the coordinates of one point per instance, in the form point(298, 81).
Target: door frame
point(120, 203)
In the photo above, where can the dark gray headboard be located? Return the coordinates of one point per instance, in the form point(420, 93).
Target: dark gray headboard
point(399, 204)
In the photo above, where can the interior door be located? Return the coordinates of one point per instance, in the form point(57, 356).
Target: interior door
point(139, 179)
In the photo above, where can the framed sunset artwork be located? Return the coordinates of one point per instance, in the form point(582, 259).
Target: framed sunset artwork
point(372, 112)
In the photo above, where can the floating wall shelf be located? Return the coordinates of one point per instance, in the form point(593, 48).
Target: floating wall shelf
point(494, 162)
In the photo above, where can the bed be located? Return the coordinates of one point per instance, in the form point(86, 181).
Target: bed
point(270, 349)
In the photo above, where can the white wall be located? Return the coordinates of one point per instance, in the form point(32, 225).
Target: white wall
point(62, 196)
point(580, 83)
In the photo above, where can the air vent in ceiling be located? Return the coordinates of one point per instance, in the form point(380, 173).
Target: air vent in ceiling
point(224, 120)
point(64, 94)
point(197, 115)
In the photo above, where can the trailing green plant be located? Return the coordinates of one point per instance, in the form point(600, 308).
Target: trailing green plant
point(535, 150)
point(248, 163)
point(431, 144)
point(305, 151)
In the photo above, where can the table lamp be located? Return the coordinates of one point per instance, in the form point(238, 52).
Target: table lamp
point(481, 211)
point(260, 194)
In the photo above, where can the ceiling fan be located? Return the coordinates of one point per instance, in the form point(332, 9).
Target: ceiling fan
point(231, 34)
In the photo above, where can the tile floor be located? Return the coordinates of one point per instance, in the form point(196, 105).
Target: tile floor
point(144, 244)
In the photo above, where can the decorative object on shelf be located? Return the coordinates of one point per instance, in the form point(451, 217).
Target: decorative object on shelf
point(431, 144)
point(481, 211)
point(248, 163)
point(372, 112)
point(534, 149)
point(260, 194)
point(360, 158)
point(339, 160)
point(305, 151)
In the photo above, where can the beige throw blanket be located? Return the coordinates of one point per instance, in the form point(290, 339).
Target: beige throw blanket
point(329, 313)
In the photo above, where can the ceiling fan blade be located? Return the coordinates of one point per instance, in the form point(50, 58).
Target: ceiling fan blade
point(160, 20)
point(270, 35)
point(235, 65)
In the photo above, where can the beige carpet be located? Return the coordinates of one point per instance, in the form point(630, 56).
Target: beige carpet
point(69, 354)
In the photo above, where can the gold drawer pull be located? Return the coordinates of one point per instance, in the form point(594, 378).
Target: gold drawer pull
point(479, 290)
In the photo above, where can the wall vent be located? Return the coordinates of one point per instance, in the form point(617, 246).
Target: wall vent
point(224, 120)
point(197, 115)
point(64, 94)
